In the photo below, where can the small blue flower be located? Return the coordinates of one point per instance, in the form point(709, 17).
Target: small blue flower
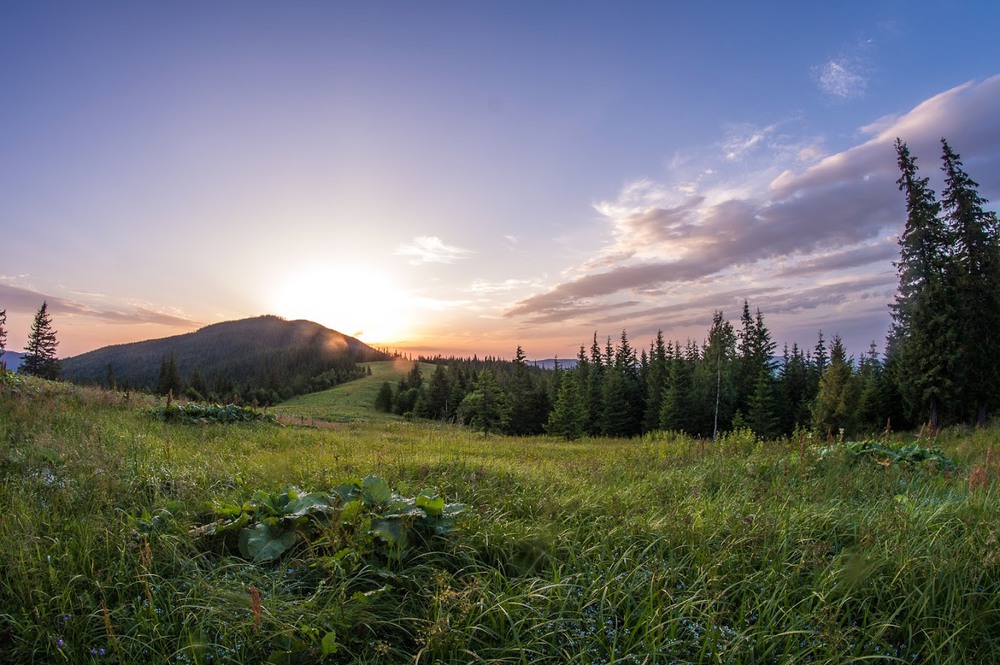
point(59, 642)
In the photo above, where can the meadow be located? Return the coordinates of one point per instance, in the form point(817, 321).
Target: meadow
point(118, 542)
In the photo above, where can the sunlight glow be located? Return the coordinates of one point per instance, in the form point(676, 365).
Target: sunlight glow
point(358, 301)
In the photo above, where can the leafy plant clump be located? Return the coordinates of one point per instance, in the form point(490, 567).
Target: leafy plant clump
point(199, 412)
point(360, 514)
point(909, 455)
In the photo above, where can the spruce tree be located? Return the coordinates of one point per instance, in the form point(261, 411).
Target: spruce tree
point(656, 380)
point(836, 403)
point(976, 260)
point(677, 410)
point(439, 394)
point(383, 400)
point(522, 400)
point(595, 389)
point(40, 353)
point(924, 332)
point(169, 380)
point(569, 416)
point(483, 408)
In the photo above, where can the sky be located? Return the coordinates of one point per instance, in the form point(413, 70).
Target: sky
point(466, 177)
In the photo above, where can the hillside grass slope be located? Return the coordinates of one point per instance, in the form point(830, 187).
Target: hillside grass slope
point(660, 550)
point(353, 401)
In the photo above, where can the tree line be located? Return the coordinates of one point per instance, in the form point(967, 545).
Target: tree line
point(731, 380)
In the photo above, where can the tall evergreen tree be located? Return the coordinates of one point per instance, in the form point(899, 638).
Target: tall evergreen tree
point(793, 382)
point(836, 402)
point(569, 416)
point(717, 376)
point(483, 408)
point(169, 379)
point(439, 394)
point(595, 389)
point(656, 380)
point(924, 333)
point(40, 353)
point(976, 259)
point(678, 409)
point(383, 400)
point(871, 411)
point(525, 412)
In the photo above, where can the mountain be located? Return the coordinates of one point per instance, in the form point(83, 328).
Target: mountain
point(550, 363)
point(11, 359)
point(266, 353)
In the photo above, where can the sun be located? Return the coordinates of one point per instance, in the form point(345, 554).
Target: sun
point(357, 301)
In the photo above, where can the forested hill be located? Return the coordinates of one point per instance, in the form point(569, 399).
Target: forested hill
point(266, 355)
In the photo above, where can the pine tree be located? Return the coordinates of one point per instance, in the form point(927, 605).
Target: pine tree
point(521, 399)
point(169, 380)
point(677, 410)
point(197, 388)
point(616, 418)
point(655, 383)
point(976, 259)
point(439, 394)
point(794, 389)
point(483, 408)
point(569, 417)
point(716, 376)
point(40, 353)
point(924, 333)
point(383, 400)
point(836, 402)
point(871, 412)
point(595, 389)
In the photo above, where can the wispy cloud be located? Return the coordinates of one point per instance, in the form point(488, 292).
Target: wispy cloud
point(482, 286)
point(847, 75)
point(27, 299)
point(772, 238)
point(431, 249)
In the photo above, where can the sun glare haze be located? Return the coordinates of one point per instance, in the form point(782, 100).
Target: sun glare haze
point(356, 301)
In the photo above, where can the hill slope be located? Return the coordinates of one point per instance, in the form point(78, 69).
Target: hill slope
point(263, 352)
point(351, 402)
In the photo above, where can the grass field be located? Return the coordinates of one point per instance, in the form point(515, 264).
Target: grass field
point(659, 550)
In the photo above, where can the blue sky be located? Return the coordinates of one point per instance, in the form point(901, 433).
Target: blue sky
point(465, 177)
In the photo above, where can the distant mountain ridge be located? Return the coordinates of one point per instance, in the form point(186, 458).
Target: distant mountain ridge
point(262, 352)
point(550, 363)
point(11, 359)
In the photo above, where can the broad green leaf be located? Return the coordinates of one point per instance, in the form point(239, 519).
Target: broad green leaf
point(391, 531)
point(307, 503)
point(432, 505)
point(376, 491)
point(329, 643)
point(264, 542)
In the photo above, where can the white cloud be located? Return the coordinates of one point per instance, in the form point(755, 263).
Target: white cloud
point(430, 249)
point(483, 287)
point(777, 230)
point(841, 78)
point(847, 75)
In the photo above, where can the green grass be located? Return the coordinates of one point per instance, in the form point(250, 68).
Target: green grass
point(352, 401)
point(598, 551)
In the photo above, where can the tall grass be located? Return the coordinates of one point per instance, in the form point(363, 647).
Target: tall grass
point(657, 550)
